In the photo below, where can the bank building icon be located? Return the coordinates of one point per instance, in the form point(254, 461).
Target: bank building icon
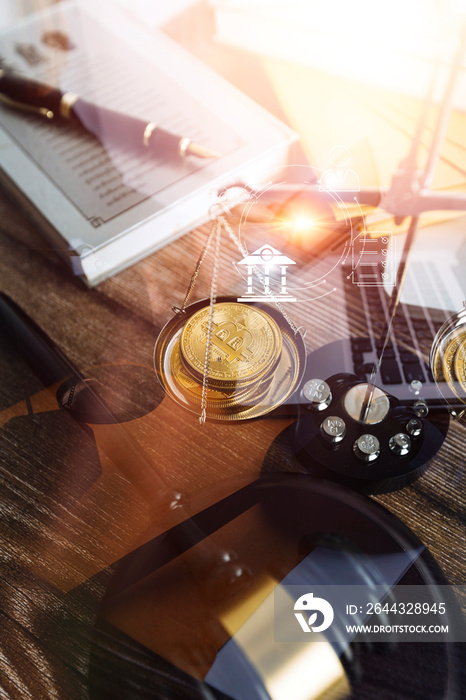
point(259, 265)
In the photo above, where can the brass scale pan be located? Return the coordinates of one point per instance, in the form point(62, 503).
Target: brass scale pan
point(256, 359)
point(448, 361)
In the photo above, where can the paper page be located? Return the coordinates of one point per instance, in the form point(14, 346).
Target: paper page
point(155, 13)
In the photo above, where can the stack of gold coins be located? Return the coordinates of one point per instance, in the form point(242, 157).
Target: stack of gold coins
point(234, 352)
point(448, 358)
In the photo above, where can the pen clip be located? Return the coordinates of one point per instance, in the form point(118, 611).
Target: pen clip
point(26, 108)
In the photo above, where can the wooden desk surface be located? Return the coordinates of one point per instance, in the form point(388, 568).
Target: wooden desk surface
point(48, 464)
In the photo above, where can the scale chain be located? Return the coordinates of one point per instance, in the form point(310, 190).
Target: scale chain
point(216, 230)
point(213, 298)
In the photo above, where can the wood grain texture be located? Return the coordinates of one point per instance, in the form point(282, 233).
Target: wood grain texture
point(49, 464)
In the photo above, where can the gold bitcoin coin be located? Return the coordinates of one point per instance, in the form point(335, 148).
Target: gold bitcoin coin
point(245, 344)
point(221, 401)
point(445, 360)
point(460, 363)
point(240, 402)
point(192, 385)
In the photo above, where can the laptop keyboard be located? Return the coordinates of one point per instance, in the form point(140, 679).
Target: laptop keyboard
point(406, 355)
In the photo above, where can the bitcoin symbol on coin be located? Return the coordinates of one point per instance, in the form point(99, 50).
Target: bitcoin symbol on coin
point(246, 343)
point(233, 342)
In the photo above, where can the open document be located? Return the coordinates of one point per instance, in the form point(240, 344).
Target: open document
point(91, 196)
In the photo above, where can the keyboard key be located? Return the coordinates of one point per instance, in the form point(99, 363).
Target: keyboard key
point(388, 353)
point(380, 341)
point(400, 318)
point(419, 323)
point(403, 333)
point(413, 372)
point(437, 325)
point(359, 371)
point(401, 329)
point(405, 336)
point(390, 372)
point(425, 334)
point(408, 358)
point(361, 344)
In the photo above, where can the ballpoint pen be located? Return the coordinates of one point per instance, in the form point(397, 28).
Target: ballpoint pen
point(107, 125)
